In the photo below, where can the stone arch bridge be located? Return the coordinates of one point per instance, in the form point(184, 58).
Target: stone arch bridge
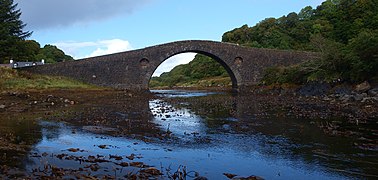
point(132, 70)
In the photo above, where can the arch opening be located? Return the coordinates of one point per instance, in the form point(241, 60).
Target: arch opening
point(203, 70)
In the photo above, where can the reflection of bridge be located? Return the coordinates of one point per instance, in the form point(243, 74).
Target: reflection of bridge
point(132, 70)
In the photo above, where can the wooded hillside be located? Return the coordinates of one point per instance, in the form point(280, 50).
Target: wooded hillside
point(344, 31)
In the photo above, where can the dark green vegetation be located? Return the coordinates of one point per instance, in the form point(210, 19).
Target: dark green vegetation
point(13, 41)
point(19, 80)
point(344, 31)
point(203, 71)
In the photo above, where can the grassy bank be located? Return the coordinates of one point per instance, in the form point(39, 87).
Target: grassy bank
point(11, 79)
point(210, 82)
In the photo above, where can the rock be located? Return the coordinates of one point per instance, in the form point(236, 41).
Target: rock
point(369, 99)
point(102, 146)
point(314, 89)
point(229, 175)
point(342, 90)
point(73, 149)
point(373, 92)
point(2, 106)
point(346, 98)
point(358, 97)
point(152, 171)
point(124, 164)
point(136, 164)
point(131, 157)
point(363, 87)
point(248, 178)
point(49, 98)
point(200, 178)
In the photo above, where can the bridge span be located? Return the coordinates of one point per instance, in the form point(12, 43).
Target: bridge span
point(132, 70)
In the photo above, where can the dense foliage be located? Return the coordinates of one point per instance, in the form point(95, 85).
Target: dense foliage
point(52, 54)
point(344, 31)
point(13, 41)
point(202, 67)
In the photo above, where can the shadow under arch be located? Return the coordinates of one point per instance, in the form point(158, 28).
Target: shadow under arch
point(214, 57)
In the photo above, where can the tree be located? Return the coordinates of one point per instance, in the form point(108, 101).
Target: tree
point(28, 50)
point(52, 54)
point(363, 55)
point(11, 30)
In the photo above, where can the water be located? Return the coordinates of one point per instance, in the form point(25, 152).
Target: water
point(209, 140)
point(182, 93)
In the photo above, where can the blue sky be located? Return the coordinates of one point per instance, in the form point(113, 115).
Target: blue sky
point(94, 27)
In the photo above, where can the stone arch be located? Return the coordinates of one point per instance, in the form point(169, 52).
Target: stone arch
point(132, 70)
point(226, 65)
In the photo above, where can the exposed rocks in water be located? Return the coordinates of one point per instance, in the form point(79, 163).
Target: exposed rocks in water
point(314, 89)
point(362, 93)
point(124, 114)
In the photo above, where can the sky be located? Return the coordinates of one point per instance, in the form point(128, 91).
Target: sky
point(87, 28)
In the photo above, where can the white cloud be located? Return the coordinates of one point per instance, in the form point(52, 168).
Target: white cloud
point(89, 49)
point(173, 61)
point(111, 46)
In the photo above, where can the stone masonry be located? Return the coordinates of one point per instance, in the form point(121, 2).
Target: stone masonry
point(132, 70)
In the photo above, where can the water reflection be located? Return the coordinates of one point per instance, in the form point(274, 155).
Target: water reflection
point(181, 122)
point(17, 135)
point(244, 124)
point(209, 133)
point(225, 154)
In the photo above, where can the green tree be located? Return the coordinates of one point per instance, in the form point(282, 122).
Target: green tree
point(11, 30)
point(52, 54)
point(362, 54)
point(201, 67)
point(28, 50)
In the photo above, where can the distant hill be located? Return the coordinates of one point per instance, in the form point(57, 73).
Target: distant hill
point(345, 31)
point(203, 71)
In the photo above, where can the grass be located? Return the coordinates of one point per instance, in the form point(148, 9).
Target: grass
point(17, 80)
point(218, 81)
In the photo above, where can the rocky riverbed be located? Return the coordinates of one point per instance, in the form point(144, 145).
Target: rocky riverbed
point(345, 112)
